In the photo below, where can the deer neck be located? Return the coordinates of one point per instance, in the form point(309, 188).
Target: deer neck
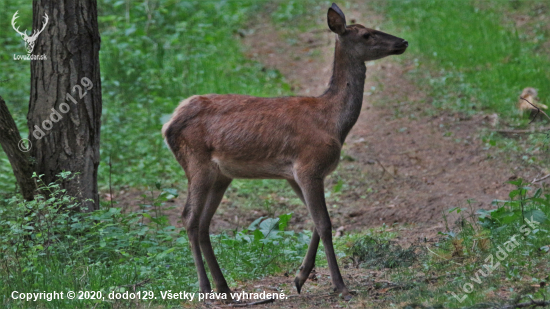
point(345, 91)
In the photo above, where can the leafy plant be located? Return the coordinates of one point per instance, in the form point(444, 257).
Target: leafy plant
point(268, 244)
point(516, 210)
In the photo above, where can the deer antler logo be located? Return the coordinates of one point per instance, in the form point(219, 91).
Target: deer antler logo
point(29, 40)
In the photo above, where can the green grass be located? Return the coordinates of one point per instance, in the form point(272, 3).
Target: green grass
point(152, 57)
point(470, 54)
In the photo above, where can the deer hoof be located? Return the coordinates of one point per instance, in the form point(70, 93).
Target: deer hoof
point(298, 283)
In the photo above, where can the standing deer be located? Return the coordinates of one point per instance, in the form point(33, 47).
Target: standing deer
point(217, 138)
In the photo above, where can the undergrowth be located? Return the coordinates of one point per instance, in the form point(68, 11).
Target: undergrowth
point(47, 246)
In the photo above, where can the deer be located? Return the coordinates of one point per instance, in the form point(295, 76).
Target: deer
point(219, 137)
point(29, 40)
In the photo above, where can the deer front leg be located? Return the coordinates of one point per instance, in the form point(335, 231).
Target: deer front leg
point(313, 190)
point(215, 196)
point(309, 259)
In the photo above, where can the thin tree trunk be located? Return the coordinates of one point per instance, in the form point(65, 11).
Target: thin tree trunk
point(64, 131)
point(17, 152)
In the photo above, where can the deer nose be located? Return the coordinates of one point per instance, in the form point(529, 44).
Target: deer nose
point(405, 43)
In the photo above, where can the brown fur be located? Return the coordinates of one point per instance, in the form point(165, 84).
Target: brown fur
point(217, 138)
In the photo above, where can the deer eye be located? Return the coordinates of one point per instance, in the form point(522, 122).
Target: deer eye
point(366, 36)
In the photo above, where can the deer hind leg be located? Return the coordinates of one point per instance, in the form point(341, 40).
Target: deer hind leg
point(313, 189)
point(309, 259)
point(215, 196)
point(200, 182)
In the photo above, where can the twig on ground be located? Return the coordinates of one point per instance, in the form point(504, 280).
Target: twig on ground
point(385, 171)
point(524, 131)
point(387, 282)
point(311, 296)
point(265, 301)
point(540, 179)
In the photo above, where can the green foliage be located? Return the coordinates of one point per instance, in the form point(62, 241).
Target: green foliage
point(291, 10)
point(45, 246)
point(153, 55)
point(513, 237)
point(270, 248)
point(519, 213)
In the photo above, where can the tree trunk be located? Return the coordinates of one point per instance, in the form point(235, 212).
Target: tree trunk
point(64, 112)
point(17, 152)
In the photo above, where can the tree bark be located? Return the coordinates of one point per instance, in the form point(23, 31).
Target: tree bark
point(11, 142)
point(65, 132)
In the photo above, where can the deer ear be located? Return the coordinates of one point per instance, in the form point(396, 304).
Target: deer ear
point(336, 20)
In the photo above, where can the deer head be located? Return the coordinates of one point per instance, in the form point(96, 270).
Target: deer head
point(29, 40)
point(362, 43)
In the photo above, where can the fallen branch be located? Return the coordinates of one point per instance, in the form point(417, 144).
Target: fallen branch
point(538, 109)
point(525, 131)
point(268, 287)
